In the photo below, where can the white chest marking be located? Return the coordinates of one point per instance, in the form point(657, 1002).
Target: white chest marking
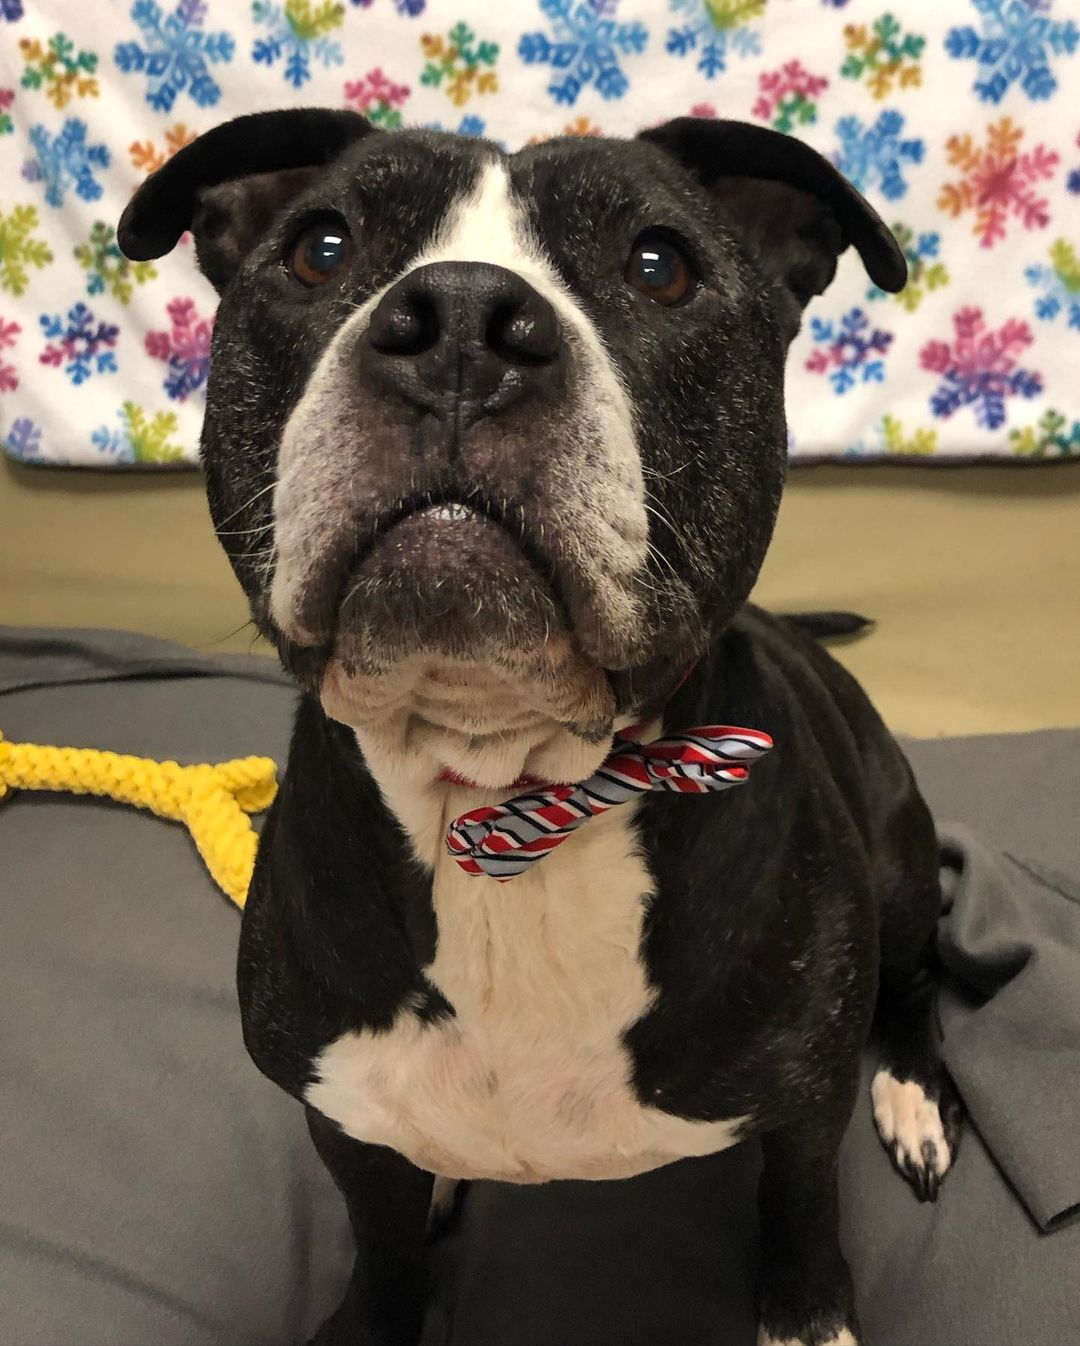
point(530, 1080)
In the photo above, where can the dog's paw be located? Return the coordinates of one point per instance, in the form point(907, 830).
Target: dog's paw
point(845, 1337)
point(920, 1133)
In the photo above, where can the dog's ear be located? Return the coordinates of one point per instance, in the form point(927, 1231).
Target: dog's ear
point(228, 185)
point(789, 205)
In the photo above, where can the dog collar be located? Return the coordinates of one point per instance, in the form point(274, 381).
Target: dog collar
point(503, 840)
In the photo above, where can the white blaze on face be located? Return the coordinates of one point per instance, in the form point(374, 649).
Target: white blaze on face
point(490, 226)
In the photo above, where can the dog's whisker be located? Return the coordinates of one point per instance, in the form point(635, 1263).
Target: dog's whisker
point(244, 532)
point(669, 523)
point(248, 503)
point(654, 551)
point(667, 476)
point(663, 514)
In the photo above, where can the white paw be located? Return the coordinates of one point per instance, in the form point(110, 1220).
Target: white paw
point(843, 1338)
point(910, 1127)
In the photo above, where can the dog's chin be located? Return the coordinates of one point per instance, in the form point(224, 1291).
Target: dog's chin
point(451, 586)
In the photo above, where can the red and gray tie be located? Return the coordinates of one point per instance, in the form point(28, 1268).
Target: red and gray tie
point(503, 840)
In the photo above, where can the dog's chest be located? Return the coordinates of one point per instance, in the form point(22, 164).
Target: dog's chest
point(529, 1080)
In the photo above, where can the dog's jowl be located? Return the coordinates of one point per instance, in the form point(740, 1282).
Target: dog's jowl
point(495, 445)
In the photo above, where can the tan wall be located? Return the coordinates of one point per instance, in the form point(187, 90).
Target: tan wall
point(973, 575)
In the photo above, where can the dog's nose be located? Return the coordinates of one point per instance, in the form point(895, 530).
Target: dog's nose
point(464, 330)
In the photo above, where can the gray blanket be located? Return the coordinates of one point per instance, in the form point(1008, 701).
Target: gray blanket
point(154, 1189)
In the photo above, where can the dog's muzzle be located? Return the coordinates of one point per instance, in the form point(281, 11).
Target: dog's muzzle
point(460, 479)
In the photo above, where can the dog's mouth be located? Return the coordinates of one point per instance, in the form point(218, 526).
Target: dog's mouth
point(457, 572)
point(447, 579)
point(443, 531)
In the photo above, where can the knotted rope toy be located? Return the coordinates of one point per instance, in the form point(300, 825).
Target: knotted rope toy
point(212, 801)
point(503, 840)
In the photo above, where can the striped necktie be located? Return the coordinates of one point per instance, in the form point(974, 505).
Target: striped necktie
point(503, 840)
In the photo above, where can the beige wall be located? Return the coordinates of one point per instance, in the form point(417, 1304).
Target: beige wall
point(973, 575)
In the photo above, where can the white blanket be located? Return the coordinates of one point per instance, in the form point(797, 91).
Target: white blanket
point(953, 118)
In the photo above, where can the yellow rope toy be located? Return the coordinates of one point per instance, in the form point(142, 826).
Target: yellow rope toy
point(211, 801)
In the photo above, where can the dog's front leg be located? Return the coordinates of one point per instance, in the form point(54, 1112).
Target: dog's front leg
point(806, 1292)
point(388, 1201)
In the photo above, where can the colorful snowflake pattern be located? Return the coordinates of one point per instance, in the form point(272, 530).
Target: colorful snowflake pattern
point(140, 438)
point(714, 30)
point(998, 181)
point(175, 54)
point(298, 34)
point(1058, 285)
point(378, 98)
point(979, 368)
point(786, 97)
point(877, 156)
point(892, 438)
point(586, 48)
point(1051, 435)
point(883, 56)
point(459, 64)
point(893, 81)
point(896, 440)
point(1018, 40)
point(19, 249)
point(850, 352)
point(79, 343)
point(148, 158)
point(65, 160)
point(925, 270)
point(9, 378)
point(106, 266)
point(23, 442)
point(59, 68)
point(185, 348)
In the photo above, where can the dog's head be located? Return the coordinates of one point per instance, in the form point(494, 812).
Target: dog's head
point(513, 412)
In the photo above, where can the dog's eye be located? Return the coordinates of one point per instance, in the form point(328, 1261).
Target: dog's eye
point(659, 270)
point(320, 253)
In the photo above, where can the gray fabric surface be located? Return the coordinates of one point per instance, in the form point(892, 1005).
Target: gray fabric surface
point(1009, 809)
point(32, 657)
point(155, 1190)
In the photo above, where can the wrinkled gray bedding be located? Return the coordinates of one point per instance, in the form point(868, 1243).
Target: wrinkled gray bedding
point(155, 1189)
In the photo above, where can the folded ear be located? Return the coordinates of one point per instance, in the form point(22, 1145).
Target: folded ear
point(786, 202)
point(228, 185)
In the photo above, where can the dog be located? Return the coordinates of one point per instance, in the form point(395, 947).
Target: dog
point(495, 443)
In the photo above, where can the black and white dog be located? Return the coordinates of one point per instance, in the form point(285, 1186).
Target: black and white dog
point(494, 444)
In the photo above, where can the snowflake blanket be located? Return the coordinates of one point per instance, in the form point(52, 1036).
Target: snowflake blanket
point(954, 117)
